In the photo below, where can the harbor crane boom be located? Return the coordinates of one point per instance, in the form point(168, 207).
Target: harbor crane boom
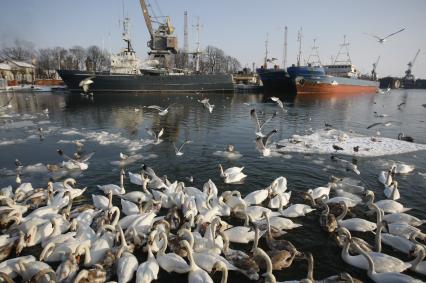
point(408, 74)
point(162, 40)
point(373, 72)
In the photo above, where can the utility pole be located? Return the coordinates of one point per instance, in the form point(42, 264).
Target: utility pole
point(285, 49)
point(265, 62)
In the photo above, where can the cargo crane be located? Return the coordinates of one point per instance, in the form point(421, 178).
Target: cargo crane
point(409, 78)
point(162, 42)
point(373, 72)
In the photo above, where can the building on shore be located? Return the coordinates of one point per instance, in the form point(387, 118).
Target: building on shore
point(17, 72)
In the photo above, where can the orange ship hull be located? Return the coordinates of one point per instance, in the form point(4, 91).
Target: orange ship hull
point(308, 87)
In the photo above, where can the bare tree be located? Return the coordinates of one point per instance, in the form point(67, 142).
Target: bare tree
point(21, 51)
point(99, 59)
point(78, 56)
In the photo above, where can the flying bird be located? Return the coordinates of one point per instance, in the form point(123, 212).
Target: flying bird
point(179, 151)
point(85, 84)
point(383, 39)
point(386, 124)
point(8, 104)
point(400, 105)
point(278, 101)
point(262, 143)
point(206, 104)
point(259, 125)
point(155, 135)
point(161, 111)
point(349, 165)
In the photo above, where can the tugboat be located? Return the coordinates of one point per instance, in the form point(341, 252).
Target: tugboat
point(128, 74)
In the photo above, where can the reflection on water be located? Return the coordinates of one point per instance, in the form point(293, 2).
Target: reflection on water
point(117, 123)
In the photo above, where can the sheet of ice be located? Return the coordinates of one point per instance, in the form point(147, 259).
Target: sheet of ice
point(322, 141)
point(35, 168)
point(10, 142)
point(227, 154)
point(18, 124)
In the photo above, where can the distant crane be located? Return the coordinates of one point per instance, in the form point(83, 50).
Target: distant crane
point(373, 72)
point(408, 75)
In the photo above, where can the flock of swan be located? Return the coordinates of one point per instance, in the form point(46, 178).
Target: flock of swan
point(134, 231)
point(163, 225)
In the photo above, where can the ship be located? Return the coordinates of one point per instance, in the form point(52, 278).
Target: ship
point(128, 74)
point(338, 78)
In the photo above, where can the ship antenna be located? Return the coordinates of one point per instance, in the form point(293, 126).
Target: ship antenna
point(285, 48)
point(299, 38)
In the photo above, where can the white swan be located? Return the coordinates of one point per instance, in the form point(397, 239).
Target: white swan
point(296, 210)
point(102, 202)
point(170, 262)
point(385, 277)
point(148, 270)
point(128, 207)
point(386, 177)
point(319, 192)
point(386, 205)
point(355, 224)
point(402, 217)
point(402, 168)
point(418, 265)
point(116, 190)
point(127, 263)
point(391, 191)
point(383, 262)
point(221, 267)
point(232, 175)
point(402, 229)
point(196, 274)
point(256, 197)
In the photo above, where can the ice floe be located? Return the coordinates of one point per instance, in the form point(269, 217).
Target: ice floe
point(322, 141)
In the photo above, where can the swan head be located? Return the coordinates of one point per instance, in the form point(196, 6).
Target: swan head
point(344, 232)
point(218, 266)
point(416, 250)
point(230, 148)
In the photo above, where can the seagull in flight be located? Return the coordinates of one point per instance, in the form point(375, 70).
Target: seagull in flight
point(179, 151)
point(8, 105)
point(349, 165)
point(278, 101)
point(259, 125)
point(383, 39)
point(262, 143)
point(85, 84)
point(206, 104)
point(386, 124)
point(155, 135)
point(161, 111)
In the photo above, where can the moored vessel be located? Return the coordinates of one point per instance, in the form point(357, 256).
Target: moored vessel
point(128, 74)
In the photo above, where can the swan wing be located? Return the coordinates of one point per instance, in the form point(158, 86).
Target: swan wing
point(126, 267)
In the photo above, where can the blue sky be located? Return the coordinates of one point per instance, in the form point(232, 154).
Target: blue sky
point(238, 27)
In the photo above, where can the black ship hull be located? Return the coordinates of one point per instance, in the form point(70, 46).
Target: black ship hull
point(277, 80)
point(106, 82)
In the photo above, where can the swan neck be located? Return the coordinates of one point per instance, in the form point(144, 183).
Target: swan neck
point(371, 270)
point(419, 257)
point(378, 238)
point(192, 264)
point(164, 237)
point(344, 212)
point(224, 274)
point(256, 238)
point(310, 274)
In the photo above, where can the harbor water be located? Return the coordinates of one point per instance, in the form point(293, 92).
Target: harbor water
point(38, 124)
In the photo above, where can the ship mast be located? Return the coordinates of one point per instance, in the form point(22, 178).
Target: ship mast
point(198, 50)
point(285, 49)
point(344, 45)
point(265, 62)
point(185, 38)
point(314, 55)
point(299, 38)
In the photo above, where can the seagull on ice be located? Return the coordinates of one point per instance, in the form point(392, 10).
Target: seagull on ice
point(259, 125)
point(161, 111)
point(377, 115)
point(383, 39)
point(85, 84)
point(156, 136)
point(179, 151)
point(206, 104)
point(278, 101)
point(262, 143)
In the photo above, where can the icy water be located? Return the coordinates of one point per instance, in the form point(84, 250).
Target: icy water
point(112, 124)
